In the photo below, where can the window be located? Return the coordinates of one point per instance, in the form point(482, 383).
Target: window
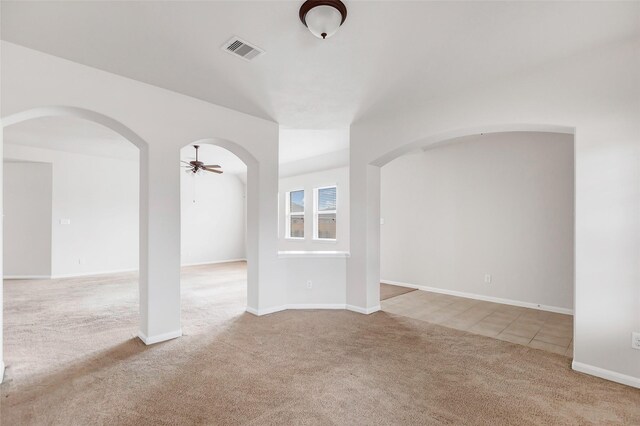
point(325, 210)
point(295, 214)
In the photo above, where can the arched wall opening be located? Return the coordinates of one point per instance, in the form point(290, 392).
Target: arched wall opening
point(484, 225)
point(47, 155)
point(223, 208)
point(363, 269)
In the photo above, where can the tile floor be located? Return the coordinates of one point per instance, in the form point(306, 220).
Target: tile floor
point(530, 327)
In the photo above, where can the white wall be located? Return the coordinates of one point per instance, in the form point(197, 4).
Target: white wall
point(498, 204)
point(160, 122)
point(27, 219)
point(99, 195)
point(212, 218)
point(309, 181)
point(595, 94)
point(315, 280)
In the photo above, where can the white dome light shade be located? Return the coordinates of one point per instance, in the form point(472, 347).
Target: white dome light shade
point(323, 21)
point(323, 17)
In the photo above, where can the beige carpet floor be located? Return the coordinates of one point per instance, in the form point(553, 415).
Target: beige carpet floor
point(387, 291)
point(72, 360)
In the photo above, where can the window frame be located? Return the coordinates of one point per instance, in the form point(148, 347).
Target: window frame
point(317, 213)
point(289, 214)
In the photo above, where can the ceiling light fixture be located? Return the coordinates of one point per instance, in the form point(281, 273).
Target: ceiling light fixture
point(323, 17)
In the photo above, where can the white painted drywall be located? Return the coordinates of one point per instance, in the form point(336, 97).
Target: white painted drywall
point(597, 95)
point(309, 181)
point(162, 122)
point(99, 196)
point(315, 282)
point(318, 163)
point(498, 204)
point(213, 218)
point(27, 219)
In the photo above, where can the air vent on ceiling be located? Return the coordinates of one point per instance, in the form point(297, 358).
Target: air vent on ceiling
point(241, 48)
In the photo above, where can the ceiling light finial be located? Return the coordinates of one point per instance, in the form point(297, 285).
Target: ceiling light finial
point(323, 17)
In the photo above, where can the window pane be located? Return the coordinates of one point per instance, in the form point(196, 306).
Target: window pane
point(327, 225)
point(296, 201)
point(326, 199)
point(297, 227)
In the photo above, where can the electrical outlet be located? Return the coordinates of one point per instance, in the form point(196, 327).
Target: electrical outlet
point(309, 284)
point(635, 340)
point(487, 278)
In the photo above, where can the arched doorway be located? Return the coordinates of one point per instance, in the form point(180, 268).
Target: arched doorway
point(140, 146)
point(484, 226)
point(219, 217)
point(363, 267)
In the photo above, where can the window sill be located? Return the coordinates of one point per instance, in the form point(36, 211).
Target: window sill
point(313, 254)
point(324, 240)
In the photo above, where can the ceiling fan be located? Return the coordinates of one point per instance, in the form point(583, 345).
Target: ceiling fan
point(196, 165)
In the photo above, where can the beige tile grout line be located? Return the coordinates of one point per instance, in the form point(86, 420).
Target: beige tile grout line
point(486, 316)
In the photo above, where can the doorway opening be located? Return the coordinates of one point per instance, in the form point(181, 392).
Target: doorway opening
point(486, 227)
point(214, 270)
point(71, 237)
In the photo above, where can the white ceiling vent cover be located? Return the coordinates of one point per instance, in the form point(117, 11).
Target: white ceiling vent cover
point(241, 48)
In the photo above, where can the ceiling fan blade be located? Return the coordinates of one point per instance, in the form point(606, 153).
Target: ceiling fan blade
point(212, 166)
point(213, 170)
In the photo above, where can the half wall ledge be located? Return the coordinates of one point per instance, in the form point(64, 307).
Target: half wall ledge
point(313, 254)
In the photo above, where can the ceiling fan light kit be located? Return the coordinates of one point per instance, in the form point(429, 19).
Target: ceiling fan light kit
point(323, 17)
point(196, 165)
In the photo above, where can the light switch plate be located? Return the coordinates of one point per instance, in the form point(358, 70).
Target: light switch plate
point(65, 221)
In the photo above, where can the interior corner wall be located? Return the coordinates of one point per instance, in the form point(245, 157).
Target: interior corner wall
point(99, 198)
point(499, 204)
point(594, 95)
point(27, 219)
point(308, 182)
point(213, 221)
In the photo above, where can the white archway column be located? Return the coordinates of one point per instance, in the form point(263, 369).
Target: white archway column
point(160, 233)
point(1, 265)
point(267, 293)
point(363, 267)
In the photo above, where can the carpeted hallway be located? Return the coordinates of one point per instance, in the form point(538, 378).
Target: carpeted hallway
point(73, 360)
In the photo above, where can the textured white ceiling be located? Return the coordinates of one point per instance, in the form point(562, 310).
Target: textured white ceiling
point(388, 56)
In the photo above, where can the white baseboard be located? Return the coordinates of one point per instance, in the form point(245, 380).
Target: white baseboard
point(266, 311)
point(530, 305)
point(213, 262)
point(27, 277)
point(1, 371)
point(252, 311)
point(114, 271)
point(606, 374)
point(295, 306)
point(159, 337)
point(361, 310)
point(89, 274)
point(317, 306)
